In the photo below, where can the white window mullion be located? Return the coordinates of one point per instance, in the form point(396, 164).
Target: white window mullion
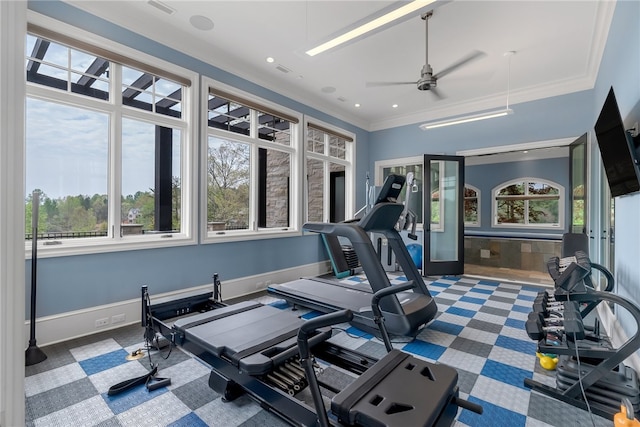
point(253, 187)
point(115, 154)
point(326, 186)
point(255, 169)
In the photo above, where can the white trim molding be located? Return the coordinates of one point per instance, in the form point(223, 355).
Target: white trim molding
point(74, 324)
point(13, 21)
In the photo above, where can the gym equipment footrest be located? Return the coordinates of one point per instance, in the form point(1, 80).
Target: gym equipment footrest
point(400, 390)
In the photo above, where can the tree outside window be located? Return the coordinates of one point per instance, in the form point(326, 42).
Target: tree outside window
point(528, 202)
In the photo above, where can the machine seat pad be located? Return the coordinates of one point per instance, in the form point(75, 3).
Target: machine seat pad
point(399, 390)
point(245, 332)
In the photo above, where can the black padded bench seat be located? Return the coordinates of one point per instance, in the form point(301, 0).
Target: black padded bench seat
point(251, 336)
point(399, 390)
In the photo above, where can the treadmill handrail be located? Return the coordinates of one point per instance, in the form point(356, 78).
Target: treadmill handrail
point(378, 318)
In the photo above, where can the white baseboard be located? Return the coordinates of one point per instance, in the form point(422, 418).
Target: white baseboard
point(616, 334)
point(78, 323)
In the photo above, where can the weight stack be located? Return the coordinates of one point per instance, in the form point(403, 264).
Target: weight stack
point(609, 390)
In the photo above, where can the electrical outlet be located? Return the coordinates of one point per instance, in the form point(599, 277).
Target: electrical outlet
point(102, 322)
point(118, 318)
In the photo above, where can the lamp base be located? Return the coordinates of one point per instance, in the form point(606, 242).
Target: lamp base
point(33, 355)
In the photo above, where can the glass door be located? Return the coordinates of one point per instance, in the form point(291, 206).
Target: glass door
point(443, 246)
point(578, 182)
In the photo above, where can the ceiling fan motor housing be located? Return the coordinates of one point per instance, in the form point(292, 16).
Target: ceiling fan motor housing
point(427, 81)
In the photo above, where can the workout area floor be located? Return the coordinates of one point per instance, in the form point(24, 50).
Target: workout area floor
point(479, 331)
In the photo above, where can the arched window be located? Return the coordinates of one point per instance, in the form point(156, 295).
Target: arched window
point(528, 202)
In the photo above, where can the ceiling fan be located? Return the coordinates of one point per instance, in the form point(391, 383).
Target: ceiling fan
point(428, 80)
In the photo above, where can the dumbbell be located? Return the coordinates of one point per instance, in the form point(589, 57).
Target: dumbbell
point(546, 321)
point(546, 308)
point(571, 325)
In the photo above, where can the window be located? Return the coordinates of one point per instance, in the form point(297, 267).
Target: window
point(107, 144)
point(528, 202)
point(471, 206)
point(251, 165)
point(329, 158)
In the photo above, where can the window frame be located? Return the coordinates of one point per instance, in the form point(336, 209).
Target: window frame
point(114, 241)
point(478, 223)
point(348, 162)
point(526, 224)
point(294, 149)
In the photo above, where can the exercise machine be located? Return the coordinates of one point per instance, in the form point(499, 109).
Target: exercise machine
point(590, 373)
point(272, 356)
point(405, 313)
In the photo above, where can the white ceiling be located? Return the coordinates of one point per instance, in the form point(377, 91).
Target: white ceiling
point(558, 47)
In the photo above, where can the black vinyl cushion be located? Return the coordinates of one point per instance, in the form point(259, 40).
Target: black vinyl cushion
point(399, 390)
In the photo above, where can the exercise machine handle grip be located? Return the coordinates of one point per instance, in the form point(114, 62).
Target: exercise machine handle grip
point(465, 404)
point(311, 325)
point(378, 318)
point(375, 300)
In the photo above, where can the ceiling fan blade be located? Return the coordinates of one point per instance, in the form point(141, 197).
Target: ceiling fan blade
point(476, 54)
point(380, 84)
point(437, 93)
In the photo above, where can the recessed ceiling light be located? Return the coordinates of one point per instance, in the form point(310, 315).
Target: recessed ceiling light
point(357, 105)
point(201, 22)
point(270, 59)
point(394, 106)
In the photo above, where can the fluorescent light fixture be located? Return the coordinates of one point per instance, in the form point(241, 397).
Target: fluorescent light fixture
point(467, 119)
point(370, 26)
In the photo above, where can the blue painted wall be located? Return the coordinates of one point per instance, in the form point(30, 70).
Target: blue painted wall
point(620, 68)
point(552, 118)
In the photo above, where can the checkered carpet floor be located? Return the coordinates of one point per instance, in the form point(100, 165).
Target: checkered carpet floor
point(479, 331)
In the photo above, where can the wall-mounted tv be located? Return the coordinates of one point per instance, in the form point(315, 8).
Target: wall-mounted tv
point(617, 149)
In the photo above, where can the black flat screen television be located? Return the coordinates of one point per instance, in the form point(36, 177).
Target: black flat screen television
point(617, 149)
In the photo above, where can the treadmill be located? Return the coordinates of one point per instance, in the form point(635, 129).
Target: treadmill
point(405, 313)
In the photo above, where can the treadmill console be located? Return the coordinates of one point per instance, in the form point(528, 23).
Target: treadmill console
point(391, 189)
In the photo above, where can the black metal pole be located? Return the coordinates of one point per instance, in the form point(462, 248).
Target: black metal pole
point(33, 354)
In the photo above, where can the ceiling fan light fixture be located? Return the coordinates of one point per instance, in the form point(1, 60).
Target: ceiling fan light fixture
point(370, 26)
point(466, 119)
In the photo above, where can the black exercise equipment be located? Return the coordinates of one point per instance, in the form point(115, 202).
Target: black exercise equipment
point(269, 354)
point(344, 260)
point(150, 380)
point(33, 354)
point(586, 362)
point(574, 242)
point(405, 313)
point(388, 394)
point(571, 323)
